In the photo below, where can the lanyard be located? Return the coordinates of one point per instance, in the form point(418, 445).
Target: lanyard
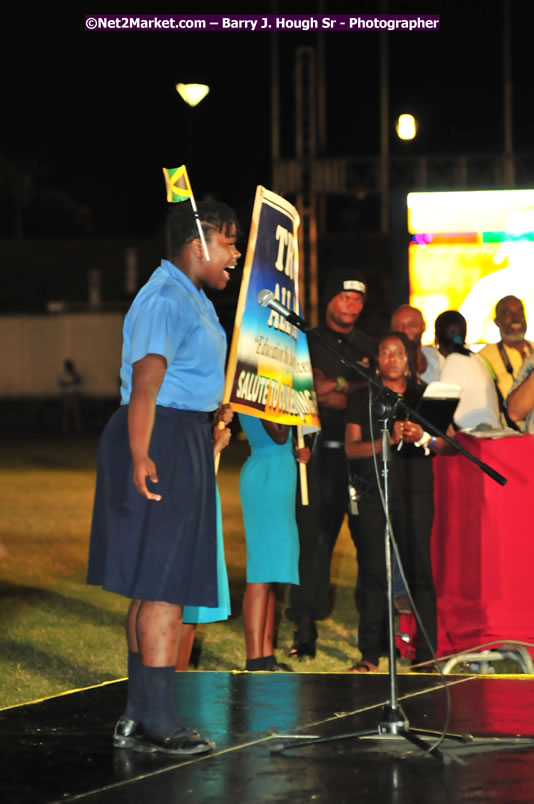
point(506, 359)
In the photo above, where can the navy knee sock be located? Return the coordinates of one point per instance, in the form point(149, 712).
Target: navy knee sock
point(158, 715)
point(270, 661)
point(257, 664)
point(134, 704)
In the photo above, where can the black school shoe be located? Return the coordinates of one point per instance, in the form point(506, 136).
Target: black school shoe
point(280, 667)
point(276, 667)
point(123, 736)
point(181, 743)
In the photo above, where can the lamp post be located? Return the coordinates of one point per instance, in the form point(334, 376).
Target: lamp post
point(192, 94)
point(383, 177)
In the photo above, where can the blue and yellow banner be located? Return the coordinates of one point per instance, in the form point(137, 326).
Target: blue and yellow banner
point(269, 370)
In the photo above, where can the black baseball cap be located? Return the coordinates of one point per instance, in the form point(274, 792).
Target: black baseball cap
point(341, 280)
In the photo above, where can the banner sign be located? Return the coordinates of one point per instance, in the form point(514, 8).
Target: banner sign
point(269, 371)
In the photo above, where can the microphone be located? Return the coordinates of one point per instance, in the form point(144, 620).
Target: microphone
point(266, 299)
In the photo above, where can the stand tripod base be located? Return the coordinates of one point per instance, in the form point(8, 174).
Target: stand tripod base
point(394, 723)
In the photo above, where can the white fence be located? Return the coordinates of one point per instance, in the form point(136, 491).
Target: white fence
point(34, 347)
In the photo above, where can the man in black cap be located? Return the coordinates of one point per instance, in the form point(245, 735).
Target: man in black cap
point(320, 522)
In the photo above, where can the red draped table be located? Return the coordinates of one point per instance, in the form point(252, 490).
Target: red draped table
point(483, 546)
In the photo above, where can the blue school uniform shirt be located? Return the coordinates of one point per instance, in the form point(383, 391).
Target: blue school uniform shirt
point(171, 317)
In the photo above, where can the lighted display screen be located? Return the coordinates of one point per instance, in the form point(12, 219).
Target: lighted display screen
point(468, 250)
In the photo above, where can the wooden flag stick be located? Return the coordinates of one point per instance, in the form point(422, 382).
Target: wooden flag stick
point(303, 477)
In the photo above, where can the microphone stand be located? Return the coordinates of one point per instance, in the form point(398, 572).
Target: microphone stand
point(393, 721)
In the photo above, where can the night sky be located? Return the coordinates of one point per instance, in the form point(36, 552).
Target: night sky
point(93, 117)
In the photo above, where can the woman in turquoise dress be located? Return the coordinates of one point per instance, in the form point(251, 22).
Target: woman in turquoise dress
point(268, 486)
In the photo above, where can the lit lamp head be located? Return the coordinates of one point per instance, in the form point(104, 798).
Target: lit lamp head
point(192, 94)
point(406, 127)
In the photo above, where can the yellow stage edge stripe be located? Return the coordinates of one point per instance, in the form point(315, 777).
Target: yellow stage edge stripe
point(61, 694)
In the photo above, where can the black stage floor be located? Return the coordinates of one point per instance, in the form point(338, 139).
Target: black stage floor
point(60, 749)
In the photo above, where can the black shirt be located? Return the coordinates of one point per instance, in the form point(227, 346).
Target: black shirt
point(356, 347)
point(358, 413)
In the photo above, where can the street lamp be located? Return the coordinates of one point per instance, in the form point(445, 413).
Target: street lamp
point(192, 94)
point(406, 127)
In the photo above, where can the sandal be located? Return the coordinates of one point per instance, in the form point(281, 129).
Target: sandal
point(363, 667)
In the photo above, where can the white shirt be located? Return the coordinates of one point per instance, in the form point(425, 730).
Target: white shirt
point(478, 400)
point(434, 362)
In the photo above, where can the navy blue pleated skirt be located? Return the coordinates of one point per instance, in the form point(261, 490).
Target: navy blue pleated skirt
point(149, 550)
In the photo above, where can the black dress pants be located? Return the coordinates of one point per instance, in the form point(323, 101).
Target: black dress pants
point(319, 524)
point(411, 512)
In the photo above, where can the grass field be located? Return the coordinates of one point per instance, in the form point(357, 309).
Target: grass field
point(59, 634)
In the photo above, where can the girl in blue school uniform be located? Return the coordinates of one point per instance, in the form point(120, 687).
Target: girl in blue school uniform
point(153, 536)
